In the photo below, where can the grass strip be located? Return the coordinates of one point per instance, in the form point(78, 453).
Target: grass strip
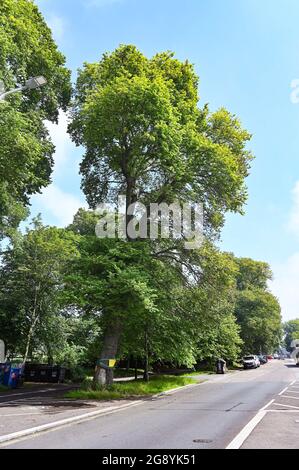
point(133, 388)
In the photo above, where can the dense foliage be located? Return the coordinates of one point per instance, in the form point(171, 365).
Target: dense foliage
point(69, 297)
point(27, 49)
point(147, 139)
point(291, 332)
point(257, 310)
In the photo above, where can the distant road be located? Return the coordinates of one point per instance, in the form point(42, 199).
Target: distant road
point(210, 415)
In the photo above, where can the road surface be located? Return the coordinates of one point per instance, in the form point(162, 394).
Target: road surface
point(210, 415)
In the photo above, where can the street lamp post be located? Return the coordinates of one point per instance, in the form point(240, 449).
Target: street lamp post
point(31, 84)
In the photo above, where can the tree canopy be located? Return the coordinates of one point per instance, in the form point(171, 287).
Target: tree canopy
point(291, 332)
point(27, 49)
point(75, 298)
point(257, 309)
point(145, 136)
point(31, 281)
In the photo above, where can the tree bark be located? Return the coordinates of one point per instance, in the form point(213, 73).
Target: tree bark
point(29, 336)
point(49, 356)
point(146, 362)
point(130, 199)
point(102, 376)
point(34, 319)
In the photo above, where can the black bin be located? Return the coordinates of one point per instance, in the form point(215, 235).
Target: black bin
point(44, 373)
point(220, 366)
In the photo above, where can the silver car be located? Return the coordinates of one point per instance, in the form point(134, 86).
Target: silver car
point(251, 362)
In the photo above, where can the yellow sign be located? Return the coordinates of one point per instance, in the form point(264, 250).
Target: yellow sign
point(111, 362)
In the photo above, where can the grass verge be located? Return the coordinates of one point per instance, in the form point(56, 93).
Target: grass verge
point(132, 389)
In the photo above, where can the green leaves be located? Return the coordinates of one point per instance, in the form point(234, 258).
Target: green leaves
point(257, 310)
point(139, 122)
point(31, 281)
point(25, 153)
point(27, 49)
point(291, 331)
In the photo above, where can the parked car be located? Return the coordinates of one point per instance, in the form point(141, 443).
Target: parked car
point(251, 362)
point(262, 359)
point(269, 356)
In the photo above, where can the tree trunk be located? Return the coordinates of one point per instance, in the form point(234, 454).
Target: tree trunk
point(50, 358)
point(104, 376)
point(146, 374)
point(29, 337)
point(130, 199)
point(34, 319)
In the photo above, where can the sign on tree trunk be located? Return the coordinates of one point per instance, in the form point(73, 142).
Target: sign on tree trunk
point(2, 351)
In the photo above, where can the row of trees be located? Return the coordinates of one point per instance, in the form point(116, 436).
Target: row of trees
point(74, 297)
point(291, 332)
point(63, 290)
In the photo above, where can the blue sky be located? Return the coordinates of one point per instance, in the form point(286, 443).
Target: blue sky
point(246, 53)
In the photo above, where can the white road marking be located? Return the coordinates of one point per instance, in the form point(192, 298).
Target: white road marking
point(246, 431)
point(287, 406)
point(268, 404)
point(287, 396)
point(237, 442)
point(282, 391)
point(282, 411)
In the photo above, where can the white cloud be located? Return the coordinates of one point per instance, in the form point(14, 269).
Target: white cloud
point(61, 140)
point(57, 25)
point(58, 203)
point(286, 286)
point(293, 224)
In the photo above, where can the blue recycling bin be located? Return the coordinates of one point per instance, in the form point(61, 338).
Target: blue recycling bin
point(6, 374)
point(11, 375)
point(14, 377)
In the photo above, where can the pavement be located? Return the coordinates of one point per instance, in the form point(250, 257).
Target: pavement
point(39, 405)
point(245, 409)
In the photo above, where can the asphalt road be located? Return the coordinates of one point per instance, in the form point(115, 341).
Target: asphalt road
point(210, 415)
